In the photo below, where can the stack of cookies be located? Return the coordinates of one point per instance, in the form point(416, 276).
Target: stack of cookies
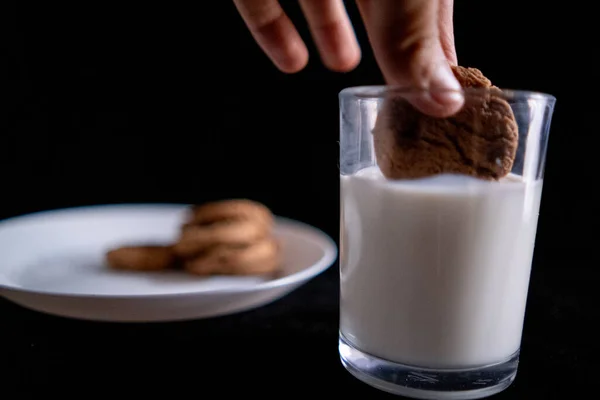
point(230, 237)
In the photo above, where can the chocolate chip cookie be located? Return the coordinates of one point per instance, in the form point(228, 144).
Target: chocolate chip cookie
point(480, 140)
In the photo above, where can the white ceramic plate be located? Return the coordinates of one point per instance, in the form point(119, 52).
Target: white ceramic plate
point(53, 262)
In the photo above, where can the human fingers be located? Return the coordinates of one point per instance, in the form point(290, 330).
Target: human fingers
point(274, 33)
point(446, 28)
point(333, 33)
point(404, 35)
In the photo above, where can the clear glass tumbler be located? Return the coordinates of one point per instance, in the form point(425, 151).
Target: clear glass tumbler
point(434, 271)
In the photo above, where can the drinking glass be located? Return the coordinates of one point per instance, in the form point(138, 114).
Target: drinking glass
point(434, 271)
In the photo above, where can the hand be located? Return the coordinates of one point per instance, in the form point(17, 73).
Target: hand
point(412, 40)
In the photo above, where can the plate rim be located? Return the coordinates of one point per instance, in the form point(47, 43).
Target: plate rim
point(324, 263)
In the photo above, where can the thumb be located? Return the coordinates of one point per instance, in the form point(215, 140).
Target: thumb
point(405, 38)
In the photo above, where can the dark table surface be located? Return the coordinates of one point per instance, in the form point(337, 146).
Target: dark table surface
point(287, 347)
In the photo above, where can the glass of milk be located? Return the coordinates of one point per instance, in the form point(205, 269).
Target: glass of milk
point(434, 272)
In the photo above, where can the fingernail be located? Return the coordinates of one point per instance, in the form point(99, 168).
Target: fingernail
point(450, 94)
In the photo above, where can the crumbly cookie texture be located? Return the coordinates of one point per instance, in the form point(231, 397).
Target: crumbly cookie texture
point(480, 140)
point(259, 257)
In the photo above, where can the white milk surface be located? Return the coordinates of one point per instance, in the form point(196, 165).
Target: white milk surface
point(435, 272)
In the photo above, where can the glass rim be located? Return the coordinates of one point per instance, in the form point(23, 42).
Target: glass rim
point(379, 91)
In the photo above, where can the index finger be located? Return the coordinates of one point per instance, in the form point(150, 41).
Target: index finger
point(274, 33)
point(333, 33)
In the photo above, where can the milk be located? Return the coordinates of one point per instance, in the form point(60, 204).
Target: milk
point(435, 272)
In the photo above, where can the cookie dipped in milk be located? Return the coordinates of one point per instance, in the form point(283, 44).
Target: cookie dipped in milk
point(437, 238)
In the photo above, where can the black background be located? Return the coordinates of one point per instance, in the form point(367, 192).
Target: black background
point(140, 102)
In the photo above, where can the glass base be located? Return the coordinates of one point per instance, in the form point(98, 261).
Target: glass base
point(422, 383)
